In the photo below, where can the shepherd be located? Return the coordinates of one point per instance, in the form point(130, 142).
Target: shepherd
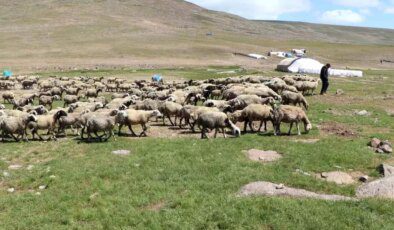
point(324, 78)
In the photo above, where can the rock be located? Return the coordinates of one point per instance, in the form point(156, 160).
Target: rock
point(15, 167)
point(386, 170)
point(386, 148)
point(363, 113)
point(338, 177)
point(263, 188)
point(339, 92)
point(379, 151)
point(364, 178)
point(30, 167)
point(42, 187)
point(375, 143)
point(263, 156)
point(52, 176)
point(383, 188)
point(6, 174)
point(307, 141)
point(121, 152)
point(11, 190)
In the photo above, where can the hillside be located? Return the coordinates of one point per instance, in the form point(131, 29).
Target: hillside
point(147, 33)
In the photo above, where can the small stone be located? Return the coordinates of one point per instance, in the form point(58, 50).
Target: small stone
point(42, 187)
point(52, 176)
point(137, 165)
point(121, 152)
point(30, 167)
point(11, 190)
point(6, 174)
point(386, 148)
point(14, 167)
point(375, 142)
point(339, 92)
point(38, 193)
point(386, 170)
point(94, 195)
point(379, 151)
point(363, 113)
point(363, 179)
point(280, 186)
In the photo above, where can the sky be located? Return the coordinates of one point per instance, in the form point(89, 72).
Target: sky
point(369, 13)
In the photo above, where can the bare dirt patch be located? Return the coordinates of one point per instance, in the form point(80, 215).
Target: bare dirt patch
point(337, 129)
point(263, 188)
point(155, 207)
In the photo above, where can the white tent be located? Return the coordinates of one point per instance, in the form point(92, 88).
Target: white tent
point(311, 66)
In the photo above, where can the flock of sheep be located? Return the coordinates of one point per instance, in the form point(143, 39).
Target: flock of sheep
point(93, 107)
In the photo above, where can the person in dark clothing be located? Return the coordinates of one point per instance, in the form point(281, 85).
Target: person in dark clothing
point(324, 78)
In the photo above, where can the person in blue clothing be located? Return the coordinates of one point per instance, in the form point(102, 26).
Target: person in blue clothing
point(324, 79)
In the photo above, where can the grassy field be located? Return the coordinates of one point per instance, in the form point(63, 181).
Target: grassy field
point(187, 183)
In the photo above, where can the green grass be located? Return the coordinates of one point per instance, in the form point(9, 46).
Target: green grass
point(189, 183)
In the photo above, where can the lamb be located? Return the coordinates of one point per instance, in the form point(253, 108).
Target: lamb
point(132, 117)
point(290, 98)
point(291, 114)
point(47, 100)
point(216, 120)
point(8, 97)
point(169, 109)
point(257, 112)
point(46, 122)
point(16, 125)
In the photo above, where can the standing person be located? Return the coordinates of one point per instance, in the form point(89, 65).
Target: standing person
point(324, 78)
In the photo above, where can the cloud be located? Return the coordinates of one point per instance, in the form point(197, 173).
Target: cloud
point(257, 9)
point(341, 17)
point(357, 3)
point(389, 10)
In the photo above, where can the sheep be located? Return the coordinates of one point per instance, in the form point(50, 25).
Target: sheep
point(222, 105)
point(169, 109)
point(8, 97)
point(290, 114)
point(216, 120)
point(73, 91)
point(21, 102)
point(132, 117)
point(257, 112)
point(72, 120)
point(290, 98)
point(243, 101)
point(70, 99)
point(28, 84)
point(195, 112)
point(102, 100)
point(2, 106)
point(119, 95)
point(47, 100)
point(39, 110)
point(46, 122)
point(16, 125)
point(100, 123)
point(57, 91)
point(93, 92)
